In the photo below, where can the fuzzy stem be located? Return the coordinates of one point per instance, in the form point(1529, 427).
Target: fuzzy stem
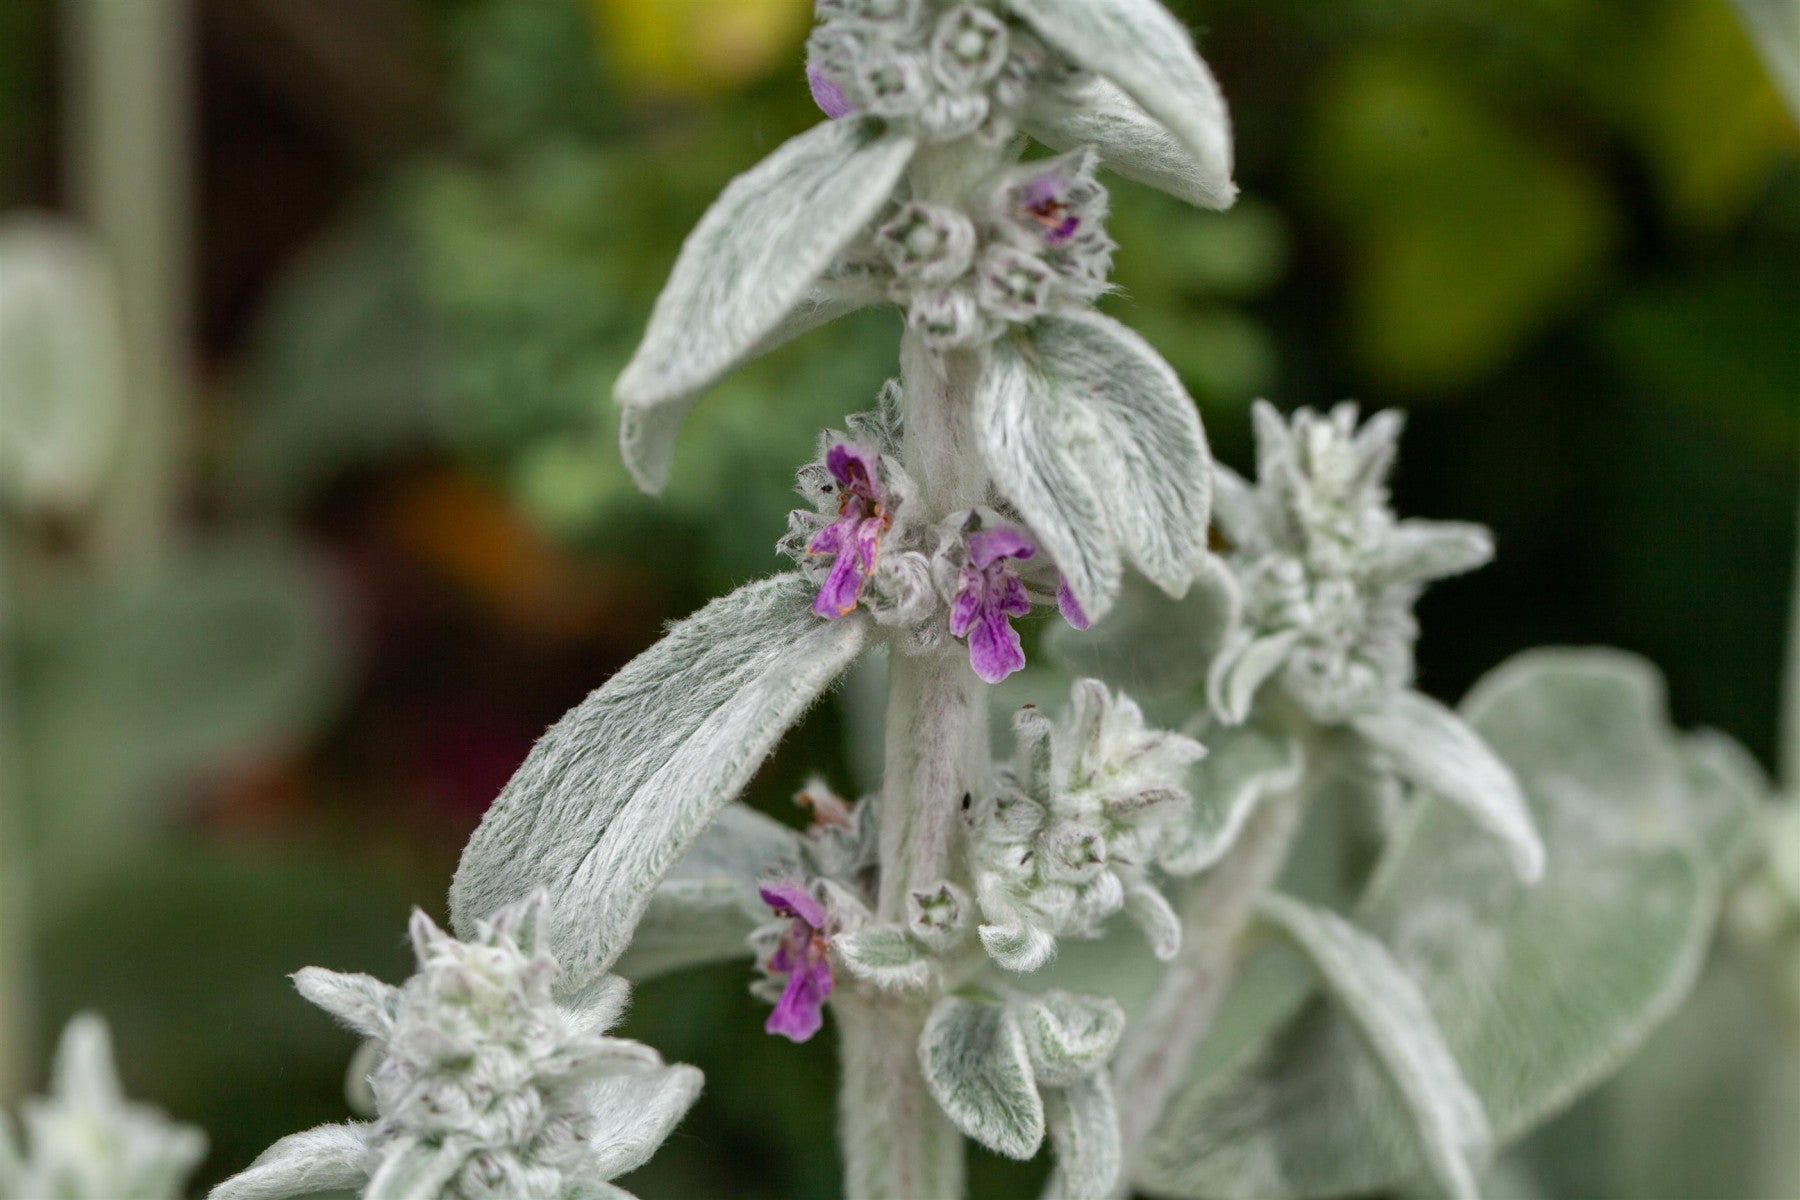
point(935, 752)
point(897, 1144)
point(1215, 909)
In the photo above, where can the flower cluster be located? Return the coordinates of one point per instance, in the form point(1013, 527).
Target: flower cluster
point(1036, 241)
point(967, 575)
point(87, 1142)
point(1068, 835)
point(484, 1085)
point(1329, 576)
point(940, 72)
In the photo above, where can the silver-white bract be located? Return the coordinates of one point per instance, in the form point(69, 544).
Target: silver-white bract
point(485, 1086)
point(1068, 837)
point(85, 1141)
point(1329, 574)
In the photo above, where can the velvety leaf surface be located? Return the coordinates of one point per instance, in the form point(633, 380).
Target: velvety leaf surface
point(752, 259)
point(617, 790)
point(1140, 46)
point(1540, 991)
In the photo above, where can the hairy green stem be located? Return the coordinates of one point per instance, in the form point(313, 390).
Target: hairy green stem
point(1215, 910)
point(897, 1144)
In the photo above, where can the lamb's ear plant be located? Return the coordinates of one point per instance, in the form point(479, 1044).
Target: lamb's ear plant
point(1538, 870)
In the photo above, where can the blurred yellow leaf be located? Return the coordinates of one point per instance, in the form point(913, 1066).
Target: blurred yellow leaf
point(698, 47)
point(1708, 119)
point(1465, 235)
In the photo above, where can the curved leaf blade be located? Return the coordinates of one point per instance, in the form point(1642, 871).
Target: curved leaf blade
point(324, 1159)
point(978, 1068)
point(1386, 1007)
point(746, 267)
point(1540, 991)
point(1074, 417)
point(1130, 141)
point(612, 796)
point(1141, 47)
point(1431, 746)
point(1083, 1122)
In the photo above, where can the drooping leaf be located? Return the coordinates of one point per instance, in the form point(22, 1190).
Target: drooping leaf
point(324, 1159)
point(752, 259)
point(978, 1068)
point(1092, 437)
point(1083, 1122)
point(1141, 47)
point(1150, 644)
point(1431, 746)
point(1130, 141)
point(708, 905)
point(1540, 990)
point(617, 790)
point(1243, 764)
point(1383, 1003)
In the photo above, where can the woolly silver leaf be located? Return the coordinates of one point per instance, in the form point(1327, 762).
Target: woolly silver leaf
point(1141, 47)
point(1129, 140)
point(617, 791)
point(1430, 745)
point(1384, 1003)
point(1083, 1123)
point(1092, 437)
point(752, 259)
point(978, 1068)
point(328, 1158)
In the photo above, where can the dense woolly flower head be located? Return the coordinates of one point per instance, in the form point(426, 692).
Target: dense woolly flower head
point(483, 1078)
point(1329, 575)
point(1033, 240)
point(1069, 833)
point(87, 1142)
point(938, 71)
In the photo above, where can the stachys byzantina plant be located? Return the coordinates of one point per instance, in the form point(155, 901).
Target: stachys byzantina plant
point(1545, 863)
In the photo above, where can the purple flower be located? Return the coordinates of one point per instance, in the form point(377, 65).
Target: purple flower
point(801, 957)
point(827, 95)
point(1069, 606)
point(987, 593)
point(855, 537)
point(1046, 202)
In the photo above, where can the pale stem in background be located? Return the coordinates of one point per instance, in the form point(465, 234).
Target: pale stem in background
point(1215, 909)
point(129, 165)
point(17, 973)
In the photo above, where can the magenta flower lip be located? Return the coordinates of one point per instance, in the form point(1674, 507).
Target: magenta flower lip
point(827, 95)
point(801, 955)
point(988, 592)
point(855, 537)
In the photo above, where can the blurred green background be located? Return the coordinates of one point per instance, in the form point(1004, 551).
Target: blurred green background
point(333, 523)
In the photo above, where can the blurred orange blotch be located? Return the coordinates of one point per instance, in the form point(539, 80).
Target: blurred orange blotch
point(471, 531)
point(698, 47)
